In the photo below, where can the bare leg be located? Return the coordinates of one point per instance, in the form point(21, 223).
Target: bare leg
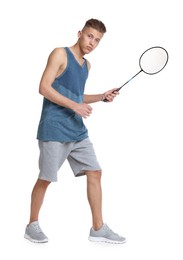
point(94, 193)
point(37, 197)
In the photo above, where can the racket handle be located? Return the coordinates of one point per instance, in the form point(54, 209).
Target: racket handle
point(105, 99)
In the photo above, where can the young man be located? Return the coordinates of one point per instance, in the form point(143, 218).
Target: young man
point(62, 134)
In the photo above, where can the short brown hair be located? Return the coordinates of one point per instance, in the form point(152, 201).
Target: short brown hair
point(95, 24)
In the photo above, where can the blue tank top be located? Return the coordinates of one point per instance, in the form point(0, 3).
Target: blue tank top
point(58, 123)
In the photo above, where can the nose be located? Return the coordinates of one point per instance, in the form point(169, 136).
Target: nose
point(92, 42)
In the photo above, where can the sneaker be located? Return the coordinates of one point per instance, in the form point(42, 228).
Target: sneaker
point(105, 234)
point(34, 233)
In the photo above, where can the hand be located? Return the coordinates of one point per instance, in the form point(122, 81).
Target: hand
point(84, 110)
point(109, 95)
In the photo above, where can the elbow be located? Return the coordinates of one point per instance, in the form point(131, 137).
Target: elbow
point(42, 90)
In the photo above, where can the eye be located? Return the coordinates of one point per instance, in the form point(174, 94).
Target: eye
point(90, 36)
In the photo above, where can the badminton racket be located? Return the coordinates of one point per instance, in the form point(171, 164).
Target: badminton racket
point(151, 62)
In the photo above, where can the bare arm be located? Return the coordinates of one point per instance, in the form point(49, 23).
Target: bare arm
point(55, 65)
point(93, 98)
point(109, 95)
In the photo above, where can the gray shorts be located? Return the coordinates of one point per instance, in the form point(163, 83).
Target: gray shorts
point(80, 155)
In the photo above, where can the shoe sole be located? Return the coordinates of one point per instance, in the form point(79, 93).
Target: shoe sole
point(34, 240)
point(105, 240)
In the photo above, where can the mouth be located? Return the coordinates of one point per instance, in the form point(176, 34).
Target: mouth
point(89, 48)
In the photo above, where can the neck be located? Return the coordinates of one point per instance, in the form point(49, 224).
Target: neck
point(77, 54)
point(77, 51)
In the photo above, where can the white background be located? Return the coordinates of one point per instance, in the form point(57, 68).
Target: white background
point(138, 138)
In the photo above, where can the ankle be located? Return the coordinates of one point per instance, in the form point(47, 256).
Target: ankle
point(97, 226)
point(32, 220)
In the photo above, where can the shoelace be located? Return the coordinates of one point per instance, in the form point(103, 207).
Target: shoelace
point(37, 228)
point(109, 231)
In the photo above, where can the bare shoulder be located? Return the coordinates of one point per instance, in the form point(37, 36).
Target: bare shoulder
point(58, 53)
point(59, 50)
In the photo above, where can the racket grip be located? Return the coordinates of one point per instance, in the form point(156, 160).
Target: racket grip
point(105, 99)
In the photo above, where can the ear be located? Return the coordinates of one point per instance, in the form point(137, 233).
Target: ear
point(79, 34)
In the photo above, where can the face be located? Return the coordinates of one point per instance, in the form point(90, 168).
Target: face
point(89, 39)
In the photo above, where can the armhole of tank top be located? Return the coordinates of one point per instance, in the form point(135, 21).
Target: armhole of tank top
point(63, 72)
point(88, 65)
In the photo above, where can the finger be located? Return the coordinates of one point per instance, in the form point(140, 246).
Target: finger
point(109, 98)
point(116, 93)
point(115, 90)
point(89, 108)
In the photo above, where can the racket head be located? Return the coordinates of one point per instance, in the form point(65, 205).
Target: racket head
point(153, 60)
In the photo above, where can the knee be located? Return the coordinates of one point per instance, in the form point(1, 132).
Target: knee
point(94, 176)
point(43, 183)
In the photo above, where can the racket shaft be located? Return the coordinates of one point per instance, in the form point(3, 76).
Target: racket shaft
point(128, 80)
point(118, 89)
